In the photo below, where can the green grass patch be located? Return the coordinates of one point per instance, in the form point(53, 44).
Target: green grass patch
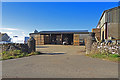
point(111, 57)
point(16, 54)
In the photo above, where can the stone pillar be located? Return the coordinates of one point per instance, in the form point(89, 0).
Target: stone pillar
point(89, 42)
point(31, 45)
point(1, 48)
point(61, 38)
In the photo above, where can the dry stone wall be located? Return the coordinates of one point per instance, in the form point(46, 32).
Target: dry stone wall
point(12, 46)
point(30, 47)
point(109, 48)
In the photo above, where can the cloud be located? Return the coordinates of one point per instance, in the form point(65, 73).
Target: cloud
point(15, 32)
point(9, 33)
point(10, 29)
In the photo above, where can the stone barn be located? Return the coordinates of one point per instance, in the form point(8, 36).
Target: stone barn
point(108, 27)
point(74, 37)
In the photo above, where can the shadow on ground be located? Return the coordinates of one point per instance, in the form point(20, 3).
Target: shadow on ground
point(51, 53)
point(41, 46)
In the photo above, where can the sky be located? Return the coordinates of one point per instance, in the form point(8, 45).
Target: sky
point(21, 18)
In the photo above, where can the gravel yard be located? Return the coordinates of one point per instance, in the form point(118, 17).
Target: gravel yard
point(63, 49)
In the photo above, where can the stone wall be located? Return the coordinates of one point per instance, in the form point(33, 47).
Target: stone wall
point(109, 48)
point(113, 30)
point(15, 46)
point(30, 47)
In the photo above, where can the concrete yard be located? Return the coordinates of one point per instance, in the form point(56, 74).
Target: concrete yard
point(59, 61)
point(62, 49)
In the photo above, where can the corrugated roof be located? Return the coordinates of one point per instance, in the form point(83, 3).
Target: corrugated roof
point(64, 31)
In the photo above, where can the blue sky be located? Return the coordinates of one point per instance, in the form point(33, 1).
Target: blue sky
point(21, 18)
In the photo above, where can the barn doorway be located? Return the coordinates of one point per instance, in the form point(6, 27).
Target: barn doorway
point(56, 39)
point(68, 38)
point(60, 38)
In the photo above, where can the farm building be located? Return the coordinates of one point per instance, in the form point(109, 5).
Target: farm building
point(4, 37)
point(75, 37)
point(108, 27)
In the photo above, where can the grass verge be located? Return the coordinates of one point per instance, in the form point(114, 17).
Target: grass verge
point(16, 54)
point(110, 57)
